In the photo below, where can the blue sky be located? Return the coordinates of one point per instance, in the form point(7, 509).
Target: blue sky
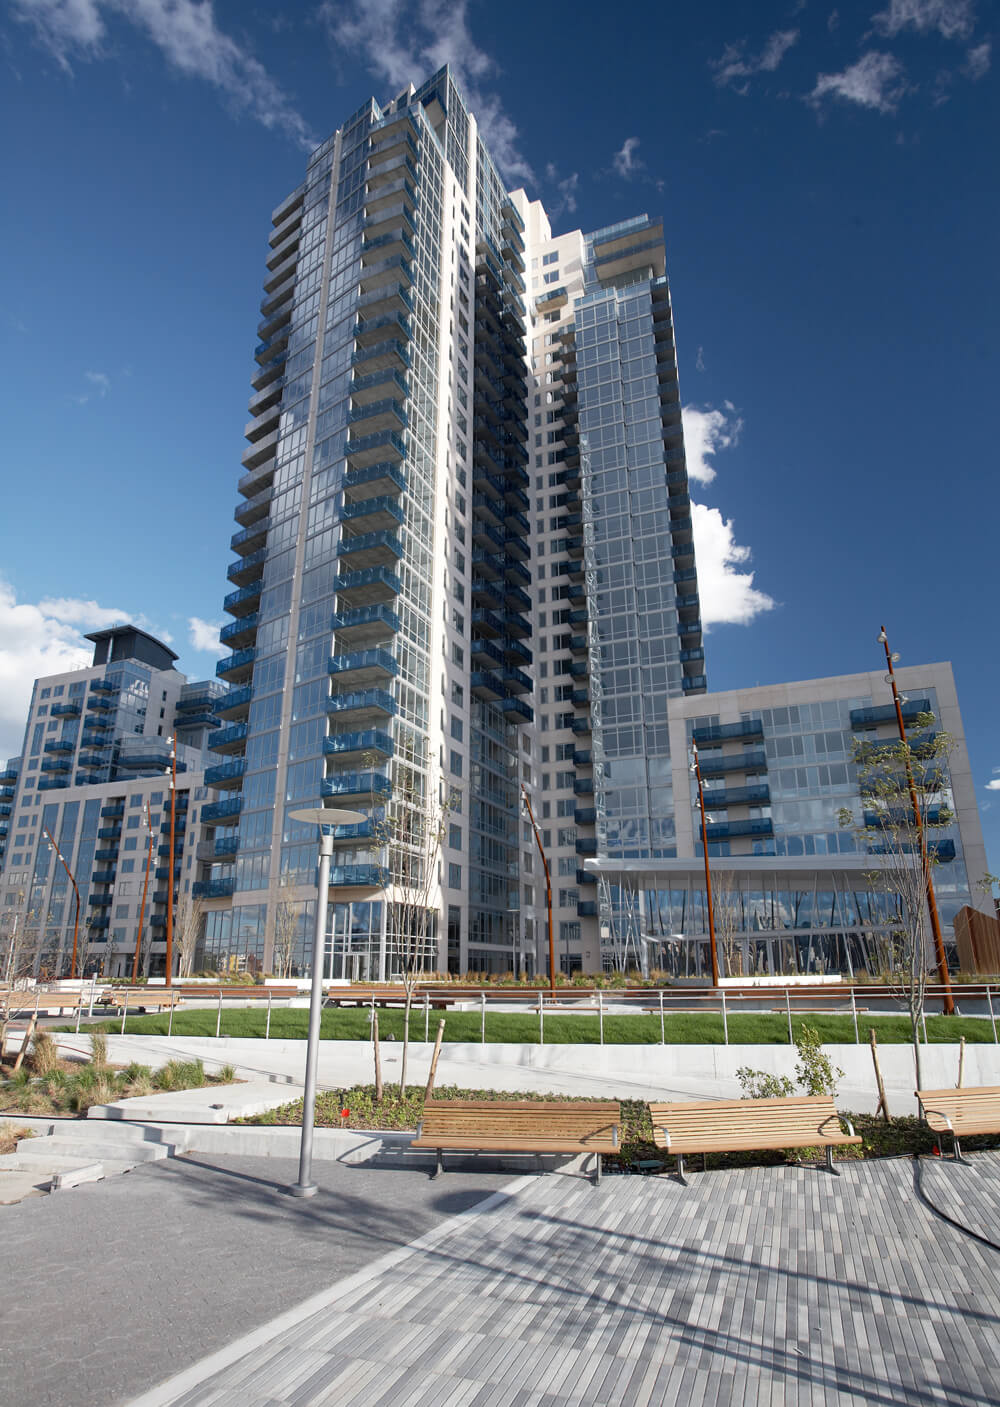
point(827, 178)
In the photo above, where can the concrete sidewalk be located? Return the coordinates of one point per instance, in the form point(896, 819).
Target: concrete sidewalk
point(752, 1286)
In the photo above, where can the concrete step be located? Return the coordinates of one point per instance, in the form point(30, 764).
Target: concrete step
point(55, 1162)
point(87, 1150)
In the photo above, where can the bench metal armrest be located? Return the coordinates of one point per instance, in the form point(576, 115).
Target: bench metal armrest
point(614, 1134)
point(420, 1129)
point(841, 1118)
point(941, 1115)
point(666, 1135)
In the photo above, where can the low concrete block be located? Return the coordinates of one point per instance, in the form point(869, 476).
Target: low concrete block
point(73, 1177)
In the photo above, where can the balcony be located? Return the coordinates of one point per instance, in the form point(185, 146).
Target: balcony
point(360, 788)
point(587, 908)
point(582, 726)
point(391, 195)
point(93, 737)
point(356, 877)
point(391, 300)
point(391, 354)
point(733, 830)
point(360, 746)
point(245, 601)
point(394, 244)
point(581, 698)
point(748, 730)
point(364, 667)
point(56, 764)
point(61, 745)
point(236, 668)
point(583, 786)
point(485, 654)
point(372, 417)
point(245, 570)
point(250, 539)
point(583, 757)
point(103, 876)
point(214, 888)
point(9, 774)
point(240, 632)
point(374, 514)
point(367, 623)
point(391, 328)
point(886, 713)
point(109, 833)
point(252, 509)
point(587, 846)
point(377, 385)
point(227, 775)
point(386, 273)
point(585, 815)
point(519, 708)
point(384, 446)
point(719, 799)
point(218, 813)
point(486, 685)
point(752, 759)
point(694, 683)
point(236, 701)
point(367, 587)
point(515, 681)
point(116, 811)
point(229, 739)
point(71, 709)
point(367, 706)
point(374, 549)
point(374, 481)
point(100, 901)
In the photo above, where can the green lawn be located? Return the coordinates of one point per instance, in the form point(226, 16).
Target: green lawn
point(522, 1027)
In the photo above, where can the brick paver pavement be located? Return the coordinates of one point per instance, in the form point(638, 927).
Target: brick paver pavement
point(771, 1285)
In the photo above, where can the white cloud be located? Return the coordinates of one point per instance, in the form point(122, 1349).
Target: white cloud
point(953, 19)
point(700, 361)
point(36, 640)
point(99, 380)
point(187, 36)
point(728, 595)
point(875, 81)
point(625, 162)
point(204, 635)
point(705, 432)
point(735, 63)
point(977, 61)
point(994, 785)
point(567, 189)
point(404, 41)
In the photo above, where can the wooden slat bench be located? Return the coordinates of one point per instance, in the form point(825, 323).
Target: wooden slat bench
point(734, 1125)
point(962, 1112)
point(520, 1126)
point(139, 999)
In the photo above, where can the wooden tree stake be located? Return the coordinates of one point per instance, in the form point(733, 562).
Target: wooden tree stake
point(883, 1103)
point(434, 1061)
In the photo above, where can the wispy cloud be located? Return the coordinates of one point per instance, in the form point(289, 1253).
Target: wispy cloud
point(404, 41)
point(186, 34)
point(700, 360)
point(876, 81)
point(625, 162)
point(566, 188)
point(726, 589)
point(953, 19)
point(736, 66)
point(977, 61)
point(994, 785)
point(100, 381)
point(204, 635)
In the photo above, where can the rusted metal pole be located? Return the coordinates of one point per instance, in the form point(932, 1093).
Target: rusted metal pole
point(708, 875)
point(948, 1001)
point(548, 890)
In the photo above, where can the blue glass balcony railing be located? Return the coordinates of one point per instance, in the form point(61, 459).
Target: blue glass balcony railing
point(372, 662)
point(357, 785)
point(367, 579)
point(217, 811)
point(225, 772)
point(747, 728)
point(250, 592)
point(223, 737)
point(751, 759)
point(374, 543)
point(234, 699)
point(886, 713)
point(381, 442)
point(376, 619)
point(372, 740)
point(246, 625)
point(214, 888)
point(382, 475)
point(226, 845)
point(387, 377)
point(373, 701)
point(66, 710)
point(366, 876)
point(240, 663)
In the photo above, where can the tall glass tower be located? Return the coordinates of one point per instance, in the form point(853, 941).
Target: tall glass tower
point(463, 557)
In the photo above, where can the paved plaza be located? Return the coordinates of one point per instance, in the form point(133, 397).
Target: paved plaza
point(771, 1285)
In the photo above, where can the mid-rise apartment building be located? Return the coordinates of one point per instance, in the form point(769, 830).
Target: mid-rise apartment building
point(94, 777)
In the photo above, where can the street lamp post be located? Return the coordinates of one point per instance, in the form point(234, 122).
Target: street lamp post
point(948, 1003)
point(696, 768)
point(76, 892)
point(323, 818)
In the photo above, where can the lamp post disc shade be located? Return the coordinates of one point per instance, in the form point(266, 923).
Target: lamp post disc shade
point(327, 816)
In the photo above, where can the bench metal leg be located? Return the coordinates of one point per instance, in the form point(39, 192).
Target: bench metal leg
point(597, 1178)
point(680, 1167)
point(829, 1161)
point(704, 1162)
point(439, 1166)
point(957, 1150)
